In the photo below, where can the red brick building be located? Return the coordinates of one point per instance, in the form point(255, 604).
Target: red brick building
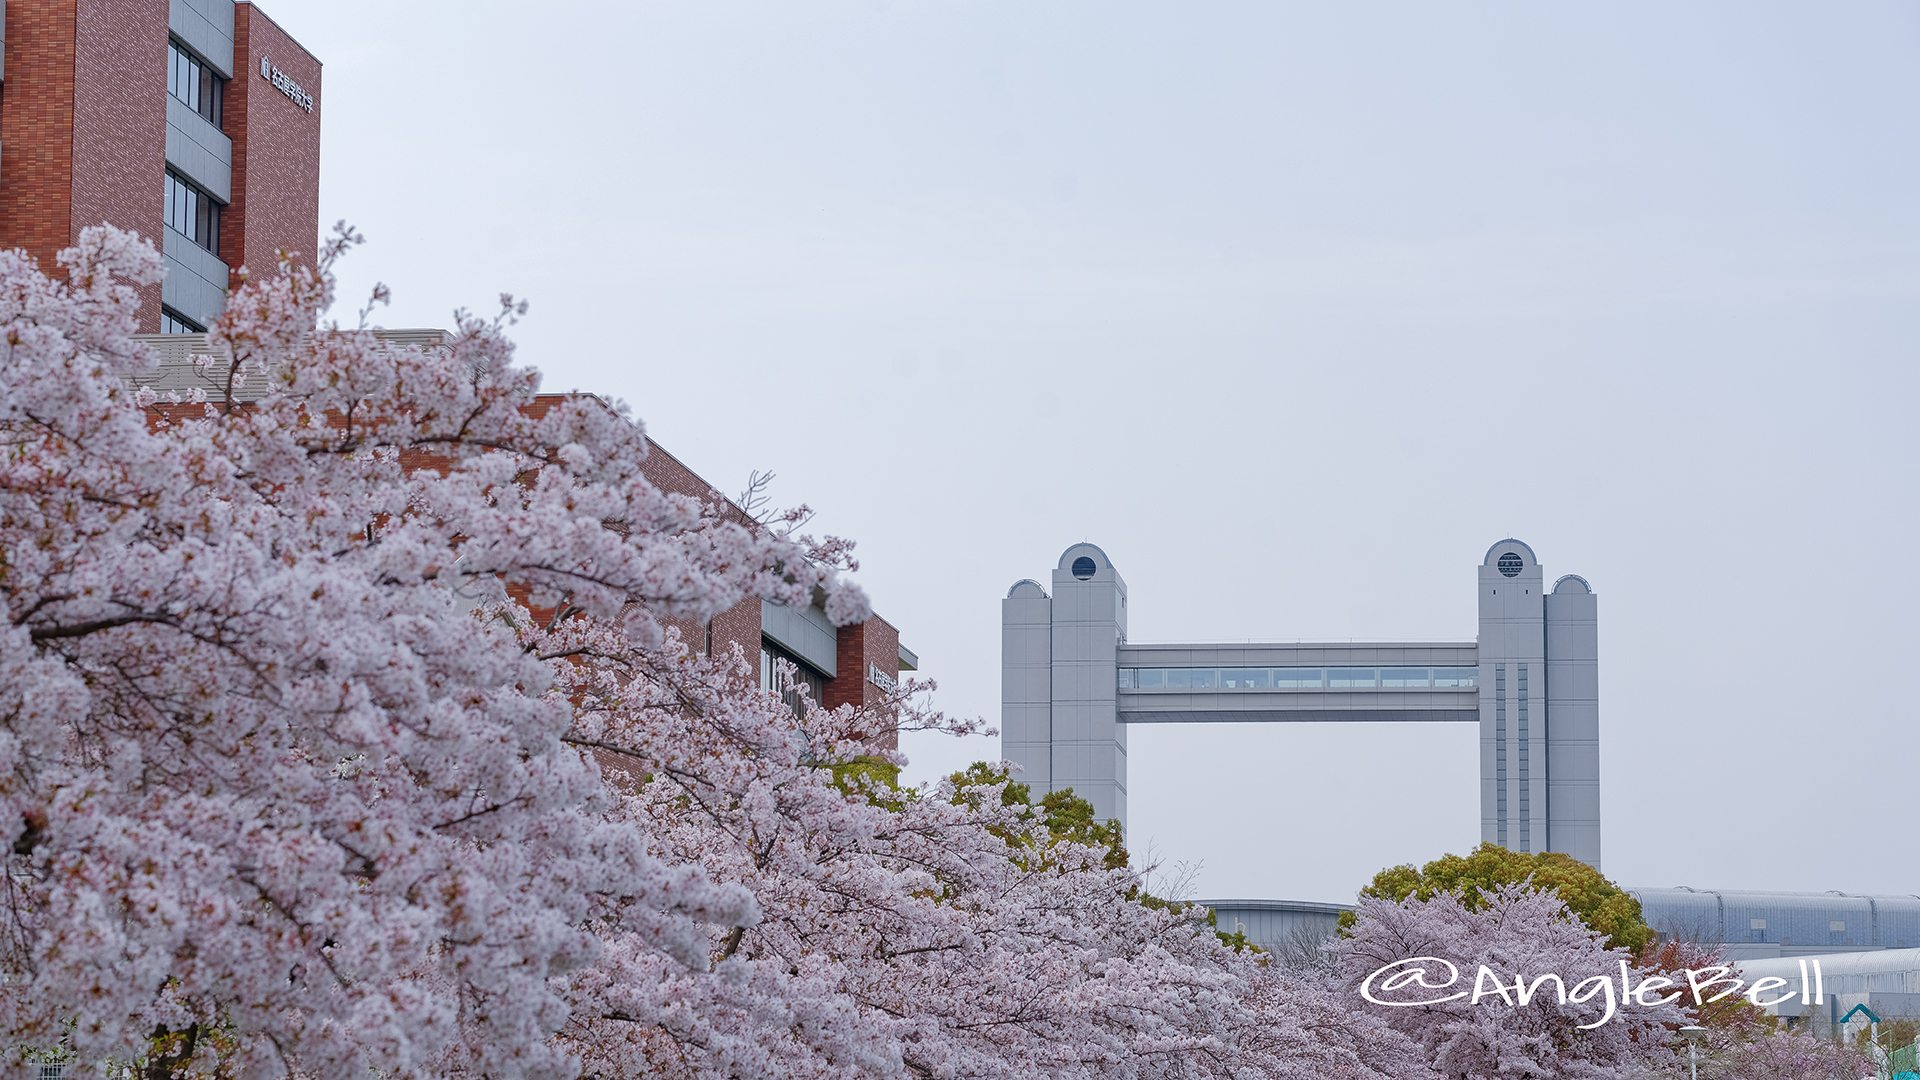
point(192, 122)
point(843, 665)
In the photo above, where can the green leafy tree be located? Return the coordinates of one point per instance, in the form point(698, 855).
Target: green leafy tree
point(1605, 907)
point(1067, 816)
point(1070, 817)
point(874, 777)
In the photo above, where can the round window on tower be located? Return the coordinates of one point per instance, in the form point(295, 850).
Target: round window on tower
point(1510, 564)
point(1083, 568)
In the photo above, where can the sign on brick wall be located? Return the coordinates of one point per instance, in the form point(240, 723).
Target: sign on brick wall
point(285, 84)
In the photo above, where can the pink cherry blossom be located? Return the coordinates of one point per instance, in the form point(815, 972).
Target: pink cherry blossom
point(258, 770)
point(344, 727)
point(1520, 932)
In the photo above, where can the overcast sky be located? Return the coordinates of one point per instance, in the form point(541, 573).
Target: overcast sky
point(1293, 309)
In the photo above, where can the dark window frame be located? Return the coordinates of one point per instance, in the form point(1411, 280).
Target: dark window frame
point(812, 681)
point(191, 211)
point(170, 317)
point(195, 83)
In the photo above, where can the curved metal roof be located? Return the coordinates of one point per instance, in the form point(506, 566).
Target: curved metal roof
point(1510, 542)
point(1884, 971)
point(1830, 919)
point(1309, 906)
point(1084, 546)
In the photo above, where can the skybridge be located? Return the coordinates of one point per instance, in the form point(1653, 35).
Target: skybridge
point(1071, 683)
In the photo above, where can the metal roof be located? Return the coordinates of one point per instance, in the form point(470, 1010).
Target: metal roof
point(1828, 919)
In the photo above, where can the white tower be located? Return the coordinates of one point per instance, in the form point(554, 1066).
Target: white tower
point(1059, 673)
point(1573, 711)
point(1513, 721)
point(1539, 708)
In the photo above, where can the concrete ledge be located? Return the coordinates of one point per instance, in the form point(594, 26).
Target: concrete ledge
point(196, 282)
point(199, 151)
point(1361, 714)
point(806, 634)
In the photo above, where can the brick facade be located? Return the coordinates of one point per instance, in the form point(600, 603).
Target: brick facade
point(874, 643)
point(276, 151)
point(36, 129)
point(858, 650)
point(738, 625)
point(120, 125)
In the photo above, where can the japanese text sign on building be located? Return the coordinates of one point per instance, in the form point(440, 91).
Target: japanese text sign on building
point(285, 85)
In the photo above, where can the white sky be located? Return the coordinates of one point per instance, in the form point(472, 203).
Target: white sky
point(1294, 309)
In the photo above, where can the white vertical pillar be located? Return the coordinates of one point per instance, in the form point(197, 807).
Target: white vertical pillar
point(1089, 623)
point(1573, 702)
point(1513, 701)
point(1026, 684)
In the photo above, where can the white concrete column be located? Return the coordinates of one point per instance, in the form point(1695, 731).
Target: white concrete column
point(1089, 622)
point(1026, 683)
point(1573, 706)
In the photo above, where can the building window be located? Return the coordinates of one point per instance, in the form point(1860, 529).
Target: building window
point(1526, 787)
point(805, 682)
point(195, 84)
point(1500, 752)
point(172, 322)
point(193, 213)
point(1290, 678)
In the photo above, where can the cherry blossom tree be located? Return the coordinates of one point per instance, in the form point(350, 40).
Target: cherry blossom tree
point(1742, 1041)
point(283, 799)
point(945, 932)
point(344, 729)
point(1789, 1055)
point(264, 783)
point(1513, 931)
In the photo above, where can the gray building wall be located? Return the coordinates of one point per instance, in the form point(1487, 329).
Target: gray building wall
point(207, 28)
point(196, 281)
point(1750, 925)
point(1886, 982)
point(805, 632)
point(1300, 704)
point(199, 151)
